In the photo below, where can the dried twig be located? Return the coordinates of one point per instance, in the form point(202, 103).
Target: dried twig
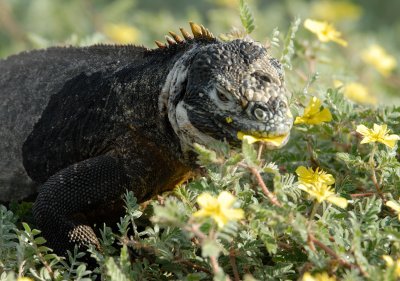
point(355, 195)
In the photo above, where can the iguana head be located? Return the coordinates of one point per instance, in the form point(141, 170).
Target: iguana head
point(225, 90)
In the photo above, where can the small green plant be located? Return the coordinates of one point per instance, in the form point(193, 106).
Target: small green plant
point(246, 16)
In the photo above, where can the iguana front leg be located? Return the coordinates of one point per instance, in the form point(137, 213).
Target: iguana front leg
point(65, 199)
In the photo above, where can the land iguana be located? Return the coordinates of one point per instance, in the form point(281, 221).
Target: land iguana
point(84, 124)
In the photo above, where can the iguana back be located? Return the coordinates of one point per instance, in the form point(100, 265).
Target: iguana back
point(27, 81)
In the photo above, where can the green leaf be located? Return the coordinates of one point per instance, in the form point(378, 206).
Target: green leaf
point(40, 240)
point(249, 153)
point(246, 16)
point(114, 271)
point(26, 227)
point(288, 46)
point(205, 155)
point(210, 248)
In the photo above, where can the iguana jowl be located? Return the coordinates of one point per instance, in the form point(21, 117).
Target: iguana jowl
point(87, 124)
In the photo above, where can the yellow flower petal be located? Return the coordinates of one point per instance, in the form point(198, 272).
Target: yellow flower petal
point(236, 214)
point(313, 107)
point(327, 179)
point(225, 199)
point(359, 93)
point(201, 213)
point(206, 199)
point(323, 192)
point(325, 31)
point(304, 187)
point(312, 114)
point(363, 130)
point(308, 175)
point(299, 120)
point(307, 277)
point(390, 141)
point(367, 140)
point(393, 205)
point(338, 201)
point(303, 172)
point(276, 141)
point(219, 209)
point(376, 56)
point(378, 134)
point(220, 220)
point(388, 259)
point(323, 116)
point(378, 128)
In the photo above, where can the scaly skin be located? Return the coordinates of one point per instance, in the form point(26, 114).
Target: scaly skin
point(90, 123)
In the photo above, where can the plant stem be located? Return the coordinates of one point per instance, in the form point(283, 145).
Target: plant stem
point(232, 260)
point(259, 153)
point(314, 209)
point(314, 162)
point(373, 173)
point(355, 195)
point(329, 251)
point(264, 188)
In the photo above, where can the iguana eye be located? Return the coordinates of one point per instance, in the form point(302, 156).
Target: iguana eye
point(260, 114)
point(223, 96)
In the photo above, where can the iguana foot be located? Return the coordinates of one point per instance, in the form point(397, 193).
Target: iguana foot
point(65, 199)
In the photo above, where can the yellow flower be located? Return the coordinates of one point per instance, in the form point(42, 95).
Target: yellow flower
point(219, 209)
point(121, 33)
point(359, 93)
point(378, 134)
point(380, 59)
point(313, 115)
point(24, 279)
point(318, 277)
point(276, 141)
point(391, 263)
point(317, 184)
point(309, 176)
point(325, 31)
point(394, 206)
point(321, 192)
point(334, 11)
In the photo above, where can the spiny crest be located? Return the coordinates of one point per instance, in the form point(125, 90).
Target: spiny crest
point(198, 31)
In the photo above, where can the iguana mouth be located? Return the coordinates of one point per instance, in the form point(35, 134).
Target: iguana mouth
point(271, 141)
point(274, 134)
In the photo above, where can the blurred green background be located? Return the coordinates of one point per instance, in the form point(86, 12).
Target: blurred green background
point(27, 24)
point(30, 24)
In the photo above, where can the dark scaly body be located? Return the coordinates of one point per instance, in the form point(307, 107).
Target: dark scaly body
point(27, 82)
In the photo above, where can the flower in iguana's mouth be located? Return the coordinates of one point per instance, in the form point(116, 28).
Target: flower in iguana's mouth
point(272, 142)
